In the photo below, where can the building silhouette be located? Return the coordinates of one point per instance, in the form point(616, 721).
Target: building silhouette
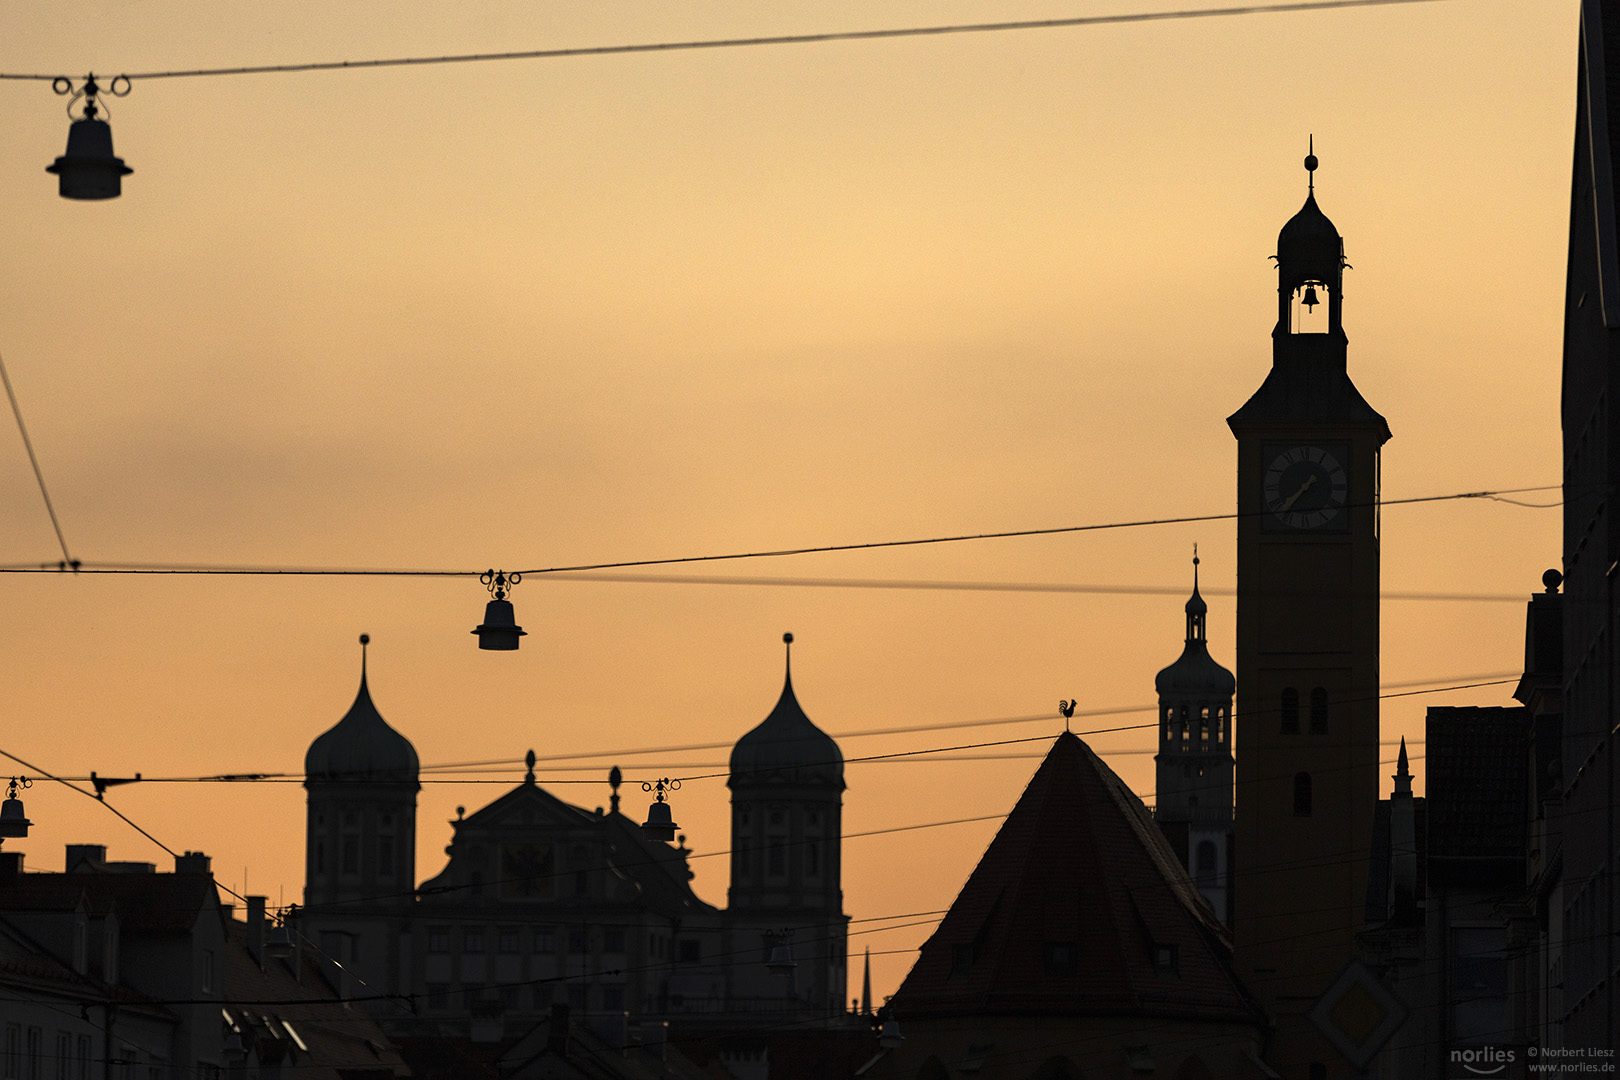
point(1194, 766)
point(1586, 1012)
point(1078, 948)
point(545, 906)
point(1307, 650)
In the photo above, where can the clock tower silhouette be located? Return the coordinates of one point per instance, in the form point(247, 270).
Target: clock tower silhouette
point(1307, 652)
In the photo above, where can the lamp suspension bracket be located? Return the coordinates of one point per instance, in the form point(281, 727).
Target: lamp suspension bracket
point(89, 169)
point(499, 631)
point(660, 823)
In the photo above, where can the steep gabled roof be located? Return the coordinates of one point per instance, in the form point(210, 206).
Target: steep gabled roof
point(1079, 863)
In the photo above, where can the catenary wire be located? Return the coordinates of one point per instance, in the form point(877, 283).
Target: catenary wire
point(68, 561)
point(180, 569)
point(773, 39)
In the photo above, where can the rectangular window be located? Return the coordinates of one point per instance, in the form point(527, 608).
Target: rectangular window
point(576, 941)
point(208, 971)
point(777, 854)
point(472, 941)
point(1481, 974)
point(691, 951)
point(507, 942)
point(613, 941)
point(438, 939)
point(351, 855)
point(812, 858)
point(509, 998)
point(545, 941)
point(12, 1065)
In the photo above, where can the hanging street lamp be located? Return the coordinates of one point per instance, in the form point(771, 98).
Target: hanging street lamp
point(89, 169)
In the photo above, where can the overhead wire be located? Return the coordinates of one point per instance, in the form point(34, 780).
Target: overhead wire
point(180, 569)
point(68, 561)
point(745, 42)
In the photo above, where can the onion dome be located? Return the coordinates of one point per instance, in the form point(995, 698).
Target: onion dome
point(786, 748)
point(1195, 672)
point(1309, 248)
point(362, 746)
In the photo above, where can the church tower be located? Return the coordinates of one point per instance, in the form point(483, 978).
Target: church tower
point(787, 795)
point(1193, 794)
point(1307, 651)
point(361, 776)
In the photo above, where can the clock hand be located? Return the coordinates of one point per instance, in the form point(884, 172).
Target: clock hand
point(1294, 498)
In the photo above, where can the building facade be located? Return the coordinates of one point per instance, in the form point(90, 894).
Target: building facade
point(544, 904)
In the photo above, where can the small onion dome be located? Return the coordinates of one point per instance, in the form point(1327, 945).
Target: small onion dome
point(1195, 671)
point(1309, 248)
point(786, 748)
point(362, 746)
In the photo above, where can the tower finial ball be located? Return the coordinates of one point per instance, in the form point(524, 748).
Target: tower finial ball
point(1310, 162)
point(1552, 579)
point(787, 639)
point(365, 639)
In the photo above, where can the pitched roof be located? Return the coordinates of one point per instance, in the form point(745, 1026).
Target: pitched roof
point(1478, 771)
point(289, 1023)
point(1078, 862)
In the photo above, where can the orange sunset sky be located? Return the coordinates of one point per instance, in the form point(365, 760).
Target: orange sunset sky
point(573, 311)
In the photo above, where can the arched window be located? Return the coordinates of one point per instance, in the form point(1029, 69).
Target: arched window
point(1302, 794)
point(1290, 711)
point(1204, 863)
point(1319, 711)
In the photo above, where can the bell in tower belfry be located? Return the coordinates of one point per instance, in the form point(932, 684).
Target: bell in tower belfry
point(1310, 256)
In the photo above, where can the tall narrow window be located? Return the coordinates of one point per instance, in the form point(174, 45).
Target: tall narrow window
point(385, 855)
point(351, 855)
point(1290, 711)
point(1319, 711)
point(778, 859)
point(1302, 794)
point(1204, 863)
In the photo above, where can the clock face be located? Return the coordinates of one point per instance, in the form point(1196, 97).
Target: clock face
point(1304, 487)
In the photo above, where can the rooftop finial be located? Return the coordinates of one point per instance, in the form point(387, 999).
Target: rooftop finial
point(787, 640)
point(1310, 162)
point(615, 778)
point(365, 639)
point(528, 760)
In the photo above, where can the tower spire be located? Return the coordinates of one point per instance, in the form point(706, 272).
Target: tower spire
point(1310, 164)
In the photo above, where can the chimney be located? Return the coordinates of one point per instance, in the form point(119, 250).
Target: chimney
point(86, 857)
point(193, 862)
point(255, 928)
point(557, 1036)
point(11, 867)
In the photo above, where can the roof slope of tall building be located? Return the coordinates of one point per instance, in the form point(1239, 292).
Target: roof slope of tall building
point(1078, 907)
